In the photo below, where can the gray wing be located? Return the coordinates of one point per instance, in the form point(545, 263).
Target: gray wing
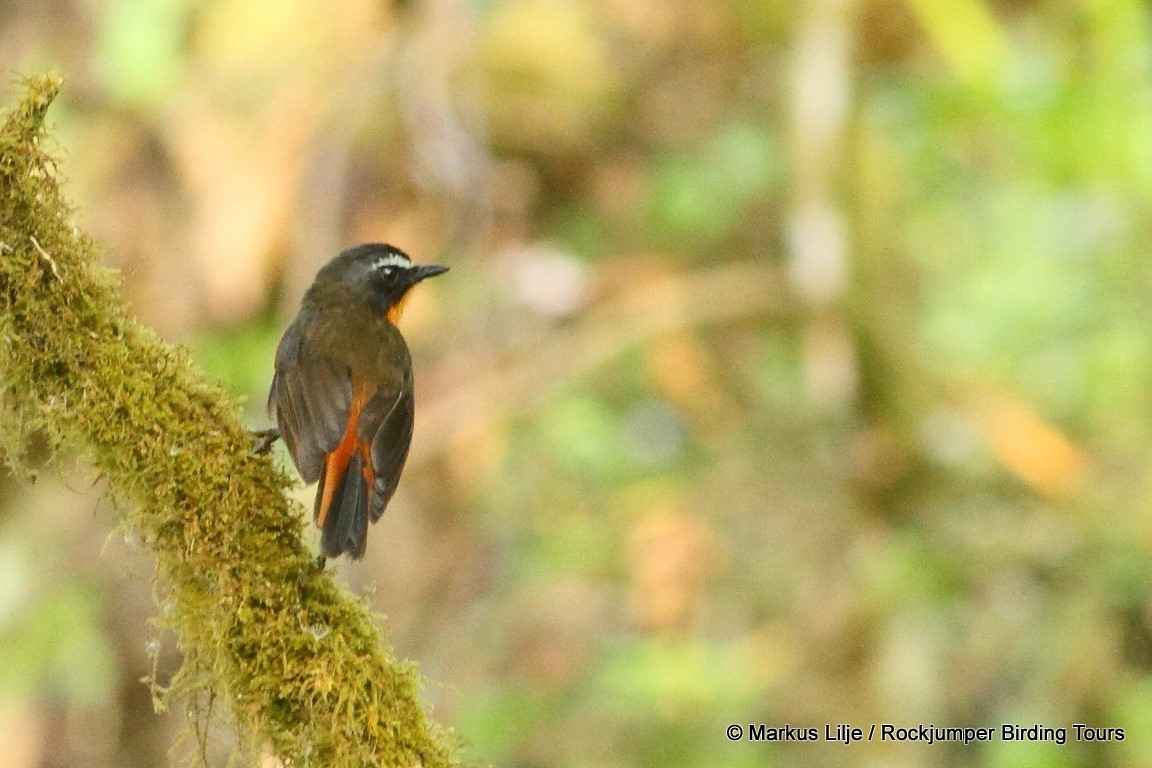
point(310, 399)
point(394, 412)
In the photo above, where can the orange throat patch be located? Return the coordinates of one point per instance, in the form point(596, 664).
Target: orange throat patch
point(397, 309)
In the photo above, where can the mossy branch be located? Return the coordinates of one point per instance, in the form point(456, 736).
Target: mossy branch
point(298, 659)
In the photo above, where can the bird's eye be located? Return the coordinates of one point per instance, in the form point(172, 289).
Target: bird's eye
point(388, 271)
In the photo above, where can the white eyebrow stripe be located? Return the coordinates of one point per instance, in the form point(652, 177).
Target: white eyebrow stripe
point(392, 260)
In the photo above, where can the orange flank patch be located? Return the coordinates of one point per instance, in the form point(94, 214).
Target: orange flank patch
point(336, 462)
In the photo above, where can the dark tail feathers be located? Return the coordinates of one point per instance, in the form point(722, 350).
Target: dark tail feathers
point(346, 524)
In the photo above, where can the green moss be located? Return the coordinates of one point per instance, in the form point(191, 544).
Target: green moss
point(297, 658)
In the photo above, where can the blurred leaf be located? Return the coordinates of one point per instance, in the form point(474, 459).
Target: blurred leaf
point(703, 196)
point(908, 572)
point(968, 36)
point(1033, 450)
point(1034, 754)
point(140, 49)
point(1131, 709)
point(240, 357)
point(674, 678)
point(60, 644)
point(499, 721)
point(583, 435)
point(549, 74)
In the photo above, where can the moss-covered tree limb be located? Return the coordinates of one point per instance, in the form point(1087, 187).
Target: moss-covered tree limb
point(297, 658)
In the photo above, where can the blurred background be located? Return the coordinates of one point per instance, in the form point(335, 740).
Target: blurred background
point(795, 365)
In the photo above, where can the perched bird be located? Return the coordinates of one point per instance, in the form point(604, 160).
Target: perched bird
point(342, 393)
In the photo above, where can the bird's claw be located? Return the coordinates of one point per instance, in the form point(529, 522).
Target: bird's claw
point(263, 440)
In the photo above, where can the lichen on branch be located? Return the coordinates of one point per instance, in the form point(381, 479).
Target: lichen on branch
point(297, 658)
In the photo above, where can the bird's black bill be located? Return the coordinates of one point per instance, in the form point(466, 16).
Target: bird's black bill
point(427, 270)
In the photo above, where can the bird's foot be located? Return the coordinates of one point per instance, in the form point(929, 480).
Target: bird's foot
point(263, 440)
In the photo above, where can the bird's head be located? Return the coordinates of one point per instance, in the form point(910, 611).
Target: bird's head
point(377, 274)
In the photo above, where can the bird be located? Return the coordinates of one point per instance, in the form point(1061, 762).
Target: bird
point(342, 394)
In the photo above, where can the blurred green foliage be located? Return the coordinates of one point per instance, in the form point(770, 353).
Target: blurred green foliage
point(703, 196)
point(53, 639)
